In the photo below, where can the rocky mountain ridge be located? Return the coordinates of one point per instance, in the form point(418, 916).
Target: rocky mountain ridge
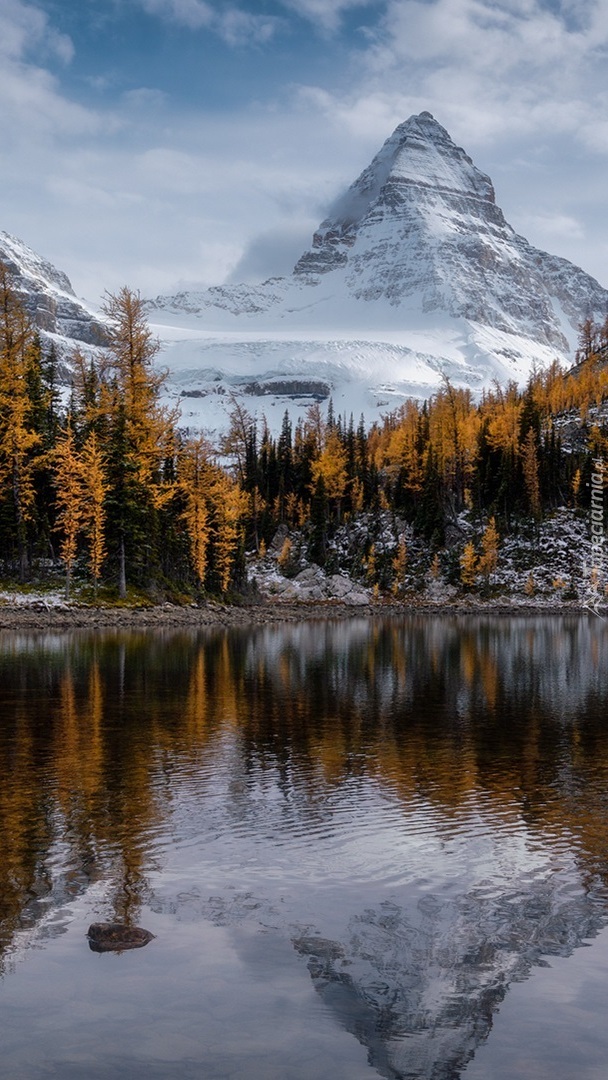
point(48, 297)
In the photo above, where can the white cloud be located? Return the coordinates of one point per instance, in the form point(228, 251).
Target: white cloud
point(274, 252)
point(24, 27)
point(32, 103)
point(510, 59)
point(33, 107)
point(161, 169)
point(367, 115)
point(492, 36)
point(235, 26)
point(326, 15)
point(238, 26)
point(555, 227)
point(485, 69)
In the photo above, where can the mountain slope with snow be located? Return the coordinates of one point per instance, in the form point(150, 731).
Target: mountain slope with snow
point(414, 274)
point(48, 296)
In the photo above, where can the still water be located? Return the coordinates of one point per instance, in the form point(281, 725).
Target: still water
point(365, 848)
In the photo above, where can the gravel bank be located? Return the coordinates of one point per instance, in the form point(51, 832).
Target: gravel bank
point(39, 616)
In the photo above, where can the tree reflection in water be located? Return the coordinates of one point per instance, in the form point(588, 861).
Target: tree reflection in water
point(483, 738)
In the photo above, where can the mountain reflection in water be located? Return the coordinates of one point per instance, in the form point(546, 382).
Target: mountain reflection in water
point(418, 806)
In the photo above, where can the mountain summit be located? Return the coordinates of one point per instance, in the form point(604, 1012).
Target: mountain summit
point(422, 222)
point(417, 167)
point(413, 275)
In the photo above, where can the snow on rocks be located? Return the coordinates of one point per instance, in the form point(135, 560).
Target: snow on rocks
point(309, 585)
point(39, 600)
point(540, 565)
point(48, 297)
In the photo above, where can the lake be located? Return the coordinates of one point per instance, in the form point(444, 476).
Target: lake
point(365, 848)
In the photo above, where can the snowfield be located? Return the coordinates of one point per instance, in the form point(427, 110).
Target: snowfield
point(365, 373)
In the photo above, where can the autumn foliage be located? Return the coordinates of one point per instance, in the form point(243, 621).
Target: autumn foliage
point(106, 481)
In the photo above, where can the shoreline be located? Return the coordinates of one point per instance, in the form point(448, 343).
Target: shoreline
point(43, 617)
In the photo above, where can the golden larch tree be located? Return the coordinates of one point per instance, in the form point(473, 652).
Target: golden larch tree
point(230, 506)
point(488, 560)
point(67, 475)
point(19, 442)
point(94, 491)
point(331, 465)
point(194, 484)
point(468, 565)
point(503, 410)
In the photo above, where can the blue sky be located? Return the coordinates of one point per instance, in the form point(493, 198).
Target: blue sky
point(161, 143)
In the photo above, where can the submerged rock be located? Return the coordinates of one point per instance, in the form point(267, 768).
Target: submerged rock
point(116, 937)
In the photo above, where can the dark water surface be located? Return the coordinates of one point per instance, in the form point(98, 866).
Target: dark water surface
point(366, 848)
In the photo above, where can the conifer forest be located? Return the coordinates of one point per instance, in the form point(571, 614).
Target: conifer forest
point(99, 482)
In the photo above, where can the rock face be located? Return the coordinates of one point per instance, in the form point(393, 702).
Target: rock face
point(47, 295)
point(311, 584)
point(420, 232)
point(422, 221)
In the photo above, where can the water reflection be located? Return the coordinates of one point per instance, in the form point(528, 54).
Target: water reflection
point(419, 806)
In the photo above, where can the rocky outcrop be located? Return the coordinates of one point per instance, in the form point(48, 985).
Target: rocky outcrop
point(309, 585)
point(47, 295)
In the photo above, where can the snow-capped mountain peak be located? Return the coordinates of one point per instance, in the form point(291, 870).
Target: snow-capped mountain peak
point(422, 221)
point(413, 274)
point(423, 153)
point(419, 152)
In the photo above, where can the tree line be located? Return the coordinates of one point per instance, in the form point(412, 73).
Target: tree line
point(509, 457)
point(106, 477)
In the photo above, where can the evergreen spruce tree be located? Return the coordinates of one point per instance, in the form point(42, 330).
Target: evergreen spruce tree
point(319, 514)
point(140, 437)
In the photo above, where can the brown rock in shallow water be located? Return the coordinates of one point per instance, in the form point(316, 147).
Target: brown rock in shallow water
point(116, 937)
